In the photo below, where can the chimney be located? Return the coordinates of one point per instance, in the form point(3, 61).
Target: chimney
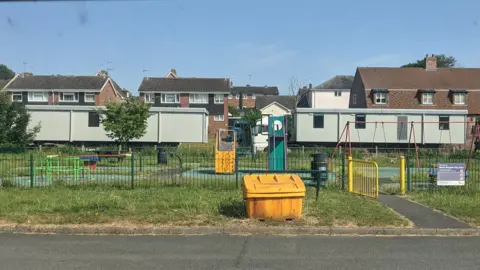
point(309, 86)
point(102, 73)
point(431, 62)
point(25, 74)
point(248, 85)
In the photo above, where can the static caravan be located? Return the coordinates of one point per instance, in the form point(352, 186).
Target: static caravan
point(379, 126)
point(81, 124)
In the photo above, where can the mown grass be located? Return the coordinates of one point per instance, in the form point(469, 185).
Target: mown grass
point(464, 205)
point(177, 206)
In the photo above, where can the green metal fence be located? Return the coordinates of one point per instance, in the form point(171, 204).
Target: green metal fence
point(195, 166)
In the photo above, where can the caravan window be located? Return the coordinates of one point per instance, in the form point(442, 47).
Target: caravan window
point(318, 121)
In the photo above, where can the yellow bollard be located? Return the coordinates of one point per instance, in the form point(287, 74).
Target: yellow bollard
point(402, 175)
point(350, 174)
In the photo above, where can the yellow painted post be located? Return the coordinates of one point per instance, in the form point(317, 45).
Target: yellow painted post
point(350, 174)
point(402, 175)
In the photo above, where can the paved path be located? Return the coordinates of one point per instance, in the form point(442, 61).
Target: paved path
point(237, 252)
point(421, 216)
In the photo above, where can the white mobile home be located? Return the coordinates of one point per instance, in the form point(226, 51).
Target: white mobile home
point(380, 126)
point(80, 124)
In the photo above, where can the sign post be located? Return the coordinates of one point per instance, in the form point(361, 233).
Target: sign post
point(451, 174)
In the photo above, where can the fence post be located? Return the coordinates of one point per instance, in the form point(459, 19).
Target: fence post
point(350, 174)
point(402, 175)
point(132, 171)
point(408, 174)
point(342, 155)
point(140, 161)
point(32, 170)
point(236, 170)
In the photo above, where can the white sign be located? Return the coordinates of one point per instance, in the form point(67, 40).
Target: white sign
point(451, 174)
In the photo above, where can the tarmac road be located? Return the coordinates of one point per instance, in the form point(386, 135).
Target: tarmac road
point(236, 252)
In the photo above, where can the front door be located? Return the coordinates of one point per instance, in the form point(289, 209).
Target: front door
point(402, 128)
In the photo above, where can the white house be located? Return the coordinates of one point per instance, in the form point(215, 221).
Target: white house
point(275, 105)
point(332, 94)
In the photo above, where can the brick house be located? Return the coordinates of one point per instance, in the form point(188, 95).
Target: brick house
point(172, 91)
point(32, 89)
point(246, 95)
point(418, 88)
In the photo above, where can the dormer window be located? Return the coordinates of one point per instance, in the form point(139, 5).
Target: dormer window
point(380, 96)
point(459, 97)
point(426, 97)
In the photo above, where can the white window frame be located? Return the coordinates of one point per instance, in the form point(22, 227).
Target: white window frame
point(426, 100)
point(338, 93)
point(230, 96)
point(381, 98)
point(89, 95)
point(254, 97)
point(219, 118)
point(32, 98)
point(237, 96)
point(149, 97)
point(17, 94)
point(198, 98)
point(176, 98)
point(62, 96)
point(218, 99)
point(245, 96)
point(459, 98)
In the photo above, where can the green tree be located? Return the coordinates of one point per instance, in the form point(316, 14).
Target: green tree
point(14, 121)
point(127, 120)
point(233, 111)
point(252, 116)
point(443, 61)
point(6, 73)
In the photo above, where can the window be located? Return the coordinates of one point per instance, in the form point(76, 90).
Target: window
point(218, 118)
point(149, 97)
point(218, 99)
point(237, 96)
point(427, 98)
point(245, 96)
point(230, 96)
point(38, 96)
point(459, 98)
point(17, 97)
point(318, 121)
point(69, 97)
point(254, 97)
point(354, 98)
point(360, 120)
point(380, 98)
point(198, 98)
point(444, 122)
point(93, 119)
point(89, 97)
point(170, 98)
point(338, 93)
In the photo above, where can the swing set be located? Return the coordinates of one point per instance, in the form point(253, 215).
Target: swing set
point(345, 136)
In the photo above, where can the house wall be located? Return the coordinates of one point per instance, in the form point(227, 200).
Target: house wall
point(325, 98)
point(384, 131)
point(107, 93)
point(247, 103)
point(357, 93)
point(70, 124)
point(275, 110)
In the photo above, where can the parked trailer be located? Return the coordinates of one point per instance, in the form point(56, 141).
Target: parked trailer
point(379, 126)
point(80, 124)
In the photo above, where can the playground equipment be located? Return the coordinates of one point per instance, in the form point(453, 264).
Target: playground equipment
point(225, 151)
point(277, 143)
point(57, 166)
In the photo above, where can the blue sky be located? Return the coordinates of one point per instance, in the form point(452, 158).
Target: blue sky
point(253, 42)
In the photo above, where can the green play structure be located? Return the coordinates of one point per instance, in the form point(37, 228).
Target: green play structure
point(277, 143)
point(55, 166)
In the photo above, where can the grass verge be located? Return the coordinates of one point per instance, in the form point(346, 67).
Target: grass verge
point(178, 206)
point(462, 205)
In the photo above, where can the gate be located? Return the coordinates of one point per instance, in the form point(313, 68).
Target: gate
point(363, 178)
